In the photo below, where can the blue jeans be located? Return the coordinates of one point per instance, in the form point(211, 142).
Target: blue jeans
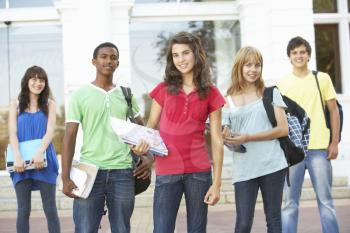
point(320, 170)
point(271, 186)
point(167, 197)
point(48, 198)
point(116, 188)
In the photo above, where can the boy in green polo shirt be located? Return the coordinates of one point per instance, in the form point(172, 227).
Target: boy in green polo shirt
point(92, 106)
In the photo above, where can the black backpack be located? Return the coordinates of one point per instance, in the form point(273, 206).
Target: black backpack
point(326, 111)
point(141, 185)
point(295, 144)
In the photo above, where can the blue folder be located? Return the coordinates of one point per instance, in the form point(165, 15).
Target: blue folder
point(28, 150)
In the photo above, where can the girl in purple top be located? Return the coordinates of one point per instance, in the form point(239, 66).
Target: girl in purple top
point(33, 116)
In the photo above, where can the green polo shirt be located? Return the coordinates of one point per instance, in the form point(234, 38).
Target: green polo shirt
point(92, 107)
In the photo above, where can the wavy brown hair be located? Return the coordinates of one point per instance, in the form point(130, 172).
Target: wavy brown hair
point(245, 55)
point(23, 97)
point(201, 72)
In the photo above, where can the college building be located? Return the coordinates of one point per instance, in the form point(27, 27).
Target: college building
point(61, 35)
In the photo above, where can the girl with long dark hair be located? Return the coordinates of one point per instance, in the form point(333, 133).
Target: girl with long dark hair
point(33, 116)
point(181, 105)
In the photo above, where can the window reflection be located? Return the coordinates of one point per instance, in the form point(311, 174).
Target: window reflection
point(39, 45)
point(159, 1)
point(2, 3)
point(325, 6)
point(221, 40)
point(30, 3)
point(327, 52)
point(153, 1)
point(4, 87)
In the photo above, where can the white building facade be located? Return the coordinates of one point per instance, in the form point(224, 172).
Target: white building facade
point(63, 34)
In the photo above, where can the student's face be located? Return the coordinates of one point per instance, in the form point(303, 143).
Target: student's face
point(36, 85)
point(183, 58)
point(107, 61)
point(299, 57)
point(251, 71)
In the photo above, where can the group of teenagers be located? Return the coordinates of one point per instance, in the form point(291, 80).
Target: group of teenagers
point(181, 105)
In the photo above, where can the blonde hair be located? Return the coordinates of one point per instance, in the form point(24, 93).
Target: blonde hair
point(243, 56)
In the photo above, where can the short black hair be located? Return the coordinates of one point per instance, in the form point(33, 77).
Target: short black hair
point(104, 45)
point(296, 42)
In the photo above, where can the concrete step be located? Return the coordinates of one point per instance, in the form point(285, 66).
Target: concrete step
point(341, 190)
point(146, 199)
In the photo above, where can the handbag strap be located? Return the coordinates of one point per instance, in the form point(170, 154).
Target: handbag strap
point(314, 72)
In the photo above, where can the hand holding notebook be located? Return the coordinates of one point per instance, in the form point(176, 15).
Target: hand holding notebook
point(28, 150)
point(131, 133)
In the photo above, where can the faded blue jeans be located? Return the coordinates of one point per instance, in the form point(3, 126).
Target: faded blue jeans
point(167, 197)
point(116, 189)
point(246, 192)
point(48, 197)
point(320, 170)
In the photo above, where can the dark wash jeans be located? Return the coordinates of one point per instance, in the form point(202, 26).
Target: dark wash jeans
point(271, 186)
point(116, 189)
point(167, 197)
point(48, 197)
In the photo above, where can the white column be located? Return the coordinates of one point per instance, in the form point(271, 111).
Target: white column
point(120, 29)
point(269, 25)
point(344, 44)
point(85, 24)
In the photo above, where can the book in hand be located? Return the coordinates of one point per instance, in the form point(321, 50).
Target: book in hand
point(131, 133)
point(28, 150)
point(236, 148)
point(83, 175)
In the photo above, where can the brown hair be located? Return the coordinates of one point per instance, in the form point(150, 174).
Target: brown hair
point(201, 73)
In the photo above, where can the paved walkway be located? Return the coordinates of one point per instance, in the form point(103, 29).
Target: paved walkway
point(220, 220)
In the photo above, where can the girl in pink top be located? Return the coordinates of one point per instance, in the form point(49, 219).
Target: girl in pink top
point(181, 105)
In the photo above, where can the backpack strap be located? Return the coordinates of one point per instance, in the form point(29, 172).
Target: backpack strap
point(267, 101)
point(127, 95)
point(314, 72)
point(128, 98)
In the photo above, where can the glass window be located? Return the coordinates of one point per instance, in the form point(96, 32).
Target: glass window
point(149, 41)
point(2, 3)
point(325, 6)
point(35, 45)
point(4, 68)
point(327, 52)
point(30, 3)
point(158, 1)
point(153, 1)
point(349, 6)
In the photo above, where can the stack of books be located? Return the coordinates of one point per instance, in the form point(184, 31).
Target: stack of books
point(131, 133)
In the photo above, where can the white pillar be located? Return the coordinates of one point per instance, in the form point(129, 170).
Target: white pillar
point(85, 24)
point(269, 25)
point(120, 29)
